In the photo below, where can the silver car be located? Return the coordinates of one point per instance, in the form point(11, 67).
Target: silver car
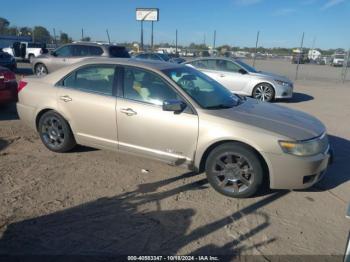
point(242, 79)
point(176, 114)
point(75, 52)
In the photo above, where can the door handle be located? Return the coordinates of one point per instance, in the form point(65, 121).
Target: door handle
point(128, 111)
point(222, 75)
point(65, 98)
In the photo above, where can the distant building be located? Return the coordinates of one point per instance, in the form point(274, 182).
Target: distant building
point(8, 40)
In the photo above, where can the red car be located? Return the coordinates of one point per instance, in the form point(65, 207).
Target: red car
point(8, 86)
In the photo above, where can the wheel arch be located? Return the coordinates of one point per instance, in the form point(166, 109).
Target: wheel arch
point(205, 155)
point(264, 82)
point(42, 111)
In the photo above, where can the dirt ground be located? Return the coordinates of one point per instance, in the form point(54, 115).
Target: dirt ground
point(100, 202)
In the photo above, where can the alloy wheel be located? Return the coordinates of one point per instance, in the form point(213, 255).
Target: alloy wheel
point(233, 172)
point(264, 92)
point(52, 132)
point(40, 70)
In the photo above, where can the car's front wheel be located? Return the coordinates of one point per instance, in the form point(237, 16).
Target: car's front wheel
point(234, 170)
point(40, 70)
point(264, 92)
point(55, 132)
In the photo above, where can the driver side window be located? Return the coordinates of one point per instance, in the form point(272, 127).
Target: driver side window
point(228, 66)
point(144, 86)
point(64, 51)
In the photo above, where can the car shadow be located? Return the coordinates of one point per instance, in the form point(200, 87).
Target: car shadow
point(297, 98)
point(117, 225)
point(338, 172)
point(3, 144)
point(8, 112)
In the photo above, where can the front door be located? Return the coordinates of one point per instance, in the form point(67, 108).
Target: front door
point(62, 57)
point(87, 99)
point(144, 128)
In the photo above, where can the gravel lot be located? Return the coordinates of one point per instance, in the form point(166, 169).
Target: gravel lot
point(99, 202)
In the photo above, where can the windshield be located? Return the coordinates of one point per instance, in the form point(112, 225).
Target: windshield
point(208, 93)
point(340, 56)
point(246, 66)
point(164, 57)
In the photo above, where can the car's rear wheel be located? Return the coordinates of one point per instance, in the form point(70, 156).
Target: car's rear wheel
point(264, 92)
point(40, 70)
point(55, 132)
point(234, 170)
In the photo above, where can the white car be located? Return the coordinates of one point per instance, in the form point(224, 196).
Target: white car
point(243, 79)
point(25, 50)
point(338, 60)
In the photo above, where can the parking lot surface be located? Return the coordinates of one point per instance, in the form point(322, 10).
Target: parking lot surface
point(99, 202)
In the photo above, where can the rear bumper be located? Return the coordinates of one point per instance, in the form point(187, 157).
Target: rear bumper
point(8, 96)
point(26, 114)
point(292, 172)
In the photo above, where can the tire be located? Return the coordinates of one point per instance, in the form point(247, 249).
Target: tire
point(40, 70)
point(264, 92)
point(235, 170)
point(55, 132)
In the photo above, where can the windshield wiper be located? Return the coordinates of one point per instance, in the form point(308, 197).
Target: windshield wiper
point(219, 107)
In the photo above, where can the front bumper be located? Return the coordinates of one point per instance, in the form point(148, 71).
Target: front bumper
point(293, 172)
point(284, 92)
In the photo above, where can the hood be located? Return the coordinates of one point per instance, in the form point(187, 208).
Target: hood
point(274, 118)
point(271, 75)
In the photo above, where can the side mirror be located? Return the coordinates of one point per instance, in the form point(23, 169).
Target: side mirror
point(176, 106)
point(242, 71)
point(53, 53)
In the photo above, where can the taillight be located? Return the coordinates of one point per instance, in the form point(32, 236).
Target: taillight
point(9, 76)
point(21, 85)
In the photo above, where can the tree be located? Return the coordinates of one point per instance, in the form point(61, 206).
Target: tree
point(26, 31)
point(4, 24)
point(86, 39)
point(64, 38)
point(41, 34)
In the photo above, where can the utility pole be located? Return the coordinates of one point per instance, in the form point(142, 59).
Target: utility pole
point(142, 35)
point(214, 42)
point(204, 39)
point(299, 56)
point(152, 37)
point(82, 34)
point(176, 42)
point(109, 40)
point(256, 47)
point(54, 35)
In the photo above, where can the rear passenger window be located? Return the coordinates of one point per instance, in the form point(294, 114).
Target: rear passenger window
point(96, 79)
point(95, 51)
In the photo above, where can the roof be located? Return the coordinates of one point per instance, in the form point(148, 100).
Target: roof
point(209, 58)
point(147, 64)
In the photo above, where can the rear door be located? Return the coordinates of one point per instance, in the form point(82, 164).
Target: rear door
point(87, 99)
point(63, 56)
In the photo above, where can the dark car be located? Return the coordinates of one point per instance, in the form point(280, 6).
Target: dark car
point(159, 57)
point(8, 86)
point(7, 60)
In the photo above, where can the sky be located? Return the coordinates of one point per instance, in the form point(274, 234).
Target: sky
point(326, 23)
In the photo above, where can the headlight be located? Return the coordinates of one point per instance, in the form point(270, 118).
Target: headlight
point(282, 83)
point(305, 148)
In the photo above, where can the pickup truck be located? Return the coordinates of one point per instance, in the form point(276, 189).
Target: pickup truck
point(26, 50)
